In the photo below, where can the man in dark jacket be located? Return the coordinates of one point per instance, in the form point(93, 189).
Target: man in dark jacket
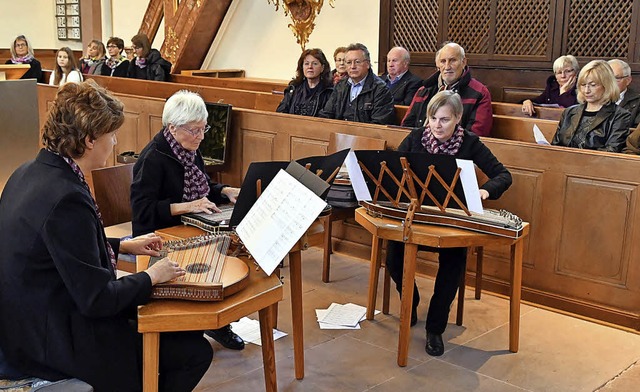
point(453, 74)
point(629, 98)
point(402, 83)
point(363, 97)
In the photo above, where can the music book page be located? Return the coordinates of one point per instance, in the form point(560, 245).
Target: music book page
point(470, 185)
point(357, 178)
point(278, 219)
point(539, 136)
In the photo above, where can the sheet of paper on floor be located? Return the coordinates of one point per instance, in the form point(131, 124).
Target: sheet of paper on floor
point(347, 314)
point(249, 330)
point(321, 314)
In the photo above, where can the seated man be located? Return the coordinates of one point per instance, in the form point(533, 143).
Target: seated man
point(453, 74)
point(363, 97)
point(629, 98)
point(402, 83)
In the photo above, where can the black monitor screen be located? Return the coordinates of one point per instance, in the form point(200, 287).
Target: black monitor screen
point(214, 145)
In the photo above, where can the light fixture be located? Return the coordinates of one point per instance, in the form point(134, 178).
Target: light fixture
point(303, 13)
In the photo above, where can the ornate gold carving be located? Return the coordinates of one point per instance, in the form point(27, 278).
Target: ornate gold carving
point(171, 45)
point(303, 13)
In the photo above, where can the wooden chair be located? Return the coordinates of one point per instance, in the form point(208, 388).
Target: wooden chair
point(112, 191)
point(338, 142)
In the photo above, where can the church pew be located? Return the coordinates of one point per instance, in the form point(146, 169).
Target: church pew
point(521, 128)
point(515, 110)
point(249, 84)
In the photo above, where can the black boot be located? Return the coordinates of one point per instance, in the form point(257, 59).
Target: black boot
point(226, 337)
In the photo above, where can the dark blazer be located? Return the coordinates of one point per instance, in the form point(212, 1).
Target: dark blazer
point(64, 313)
point(404, 89)
point(473, 149)
point(317, 100)
point(158, 182)
point(157, 68)
point(551, 94)
point(35, 72)
point(631, 102)
point(120, 70)
point(608, 131)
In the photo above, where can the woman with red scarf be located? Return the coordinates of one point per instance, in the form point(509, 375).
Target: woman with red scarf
point(444, 135)
point(22, 53)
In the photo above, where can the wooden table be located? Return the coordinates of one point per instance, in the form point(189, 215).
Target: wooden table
point(437, 237)
point(262, 294)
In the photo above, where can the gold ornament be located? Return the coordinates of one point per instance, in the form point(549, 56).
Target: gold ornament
point(303, 13)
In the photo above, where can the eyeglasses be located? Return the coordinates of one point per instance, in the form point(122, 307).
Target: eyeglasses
point(195, 131)
point(21, 45)
point(590, 85)
point(356, 62)
point(339, 60)
point(566, 72)
point(136, 47)
point(621, 77)
point(112, 46)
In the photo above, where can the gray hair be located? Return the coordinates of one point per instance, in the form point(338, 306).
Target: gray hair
point(359, 46)
point(405, 53)
point(184, 107)
point(626, 69)
point(451, 45)
point(445, 98)
point(13, 46)
point(565, 60)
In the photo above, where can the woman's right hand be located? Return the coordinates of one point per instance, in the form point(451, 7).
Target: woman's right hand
point(195, 206)
point(164, 271)
point(527, 108)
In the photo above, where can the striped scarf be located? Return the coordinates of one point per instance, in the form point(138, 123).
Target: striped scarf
point(449, 147)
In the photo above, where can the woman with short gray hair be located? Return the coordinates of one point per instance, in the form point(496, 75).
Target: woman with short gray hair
point(561, 86)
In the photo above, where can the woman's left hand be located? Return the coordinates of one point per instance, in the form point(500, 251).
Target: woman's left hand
point(484, 195)
point(148, 244)
point(231, 193)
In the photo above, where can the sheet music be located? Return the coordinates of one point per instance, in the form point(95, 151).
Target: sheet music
point(348, 314)
point(357, 178)
point(470, 185)
point(539, 136)
point(278, 219)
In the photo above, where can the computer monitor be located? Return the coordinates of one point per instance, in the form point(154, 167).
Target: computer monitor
point(215, 144)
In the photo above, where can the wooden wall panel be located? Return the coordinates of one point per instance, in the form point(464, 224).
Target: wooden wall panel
point(307, 147)
point(257, 146)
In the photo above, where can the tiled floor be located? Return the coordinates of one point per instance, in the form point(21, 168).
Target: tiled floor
point(557, 352)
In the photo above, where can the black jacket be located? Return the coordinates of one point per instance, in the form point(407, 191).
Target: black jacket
point(318, 100)
point(35, 72)
point(64, 313)
point(404, 89)
point(631, 102)
point(158, 182)
point(471, 149)
point(121, 69)
point(374, 104)
point(608, 131)
point(157, 68)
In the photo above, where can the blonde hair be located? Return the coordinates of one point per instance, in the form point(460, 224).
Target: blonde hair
point(445, 98)
point(599, 71)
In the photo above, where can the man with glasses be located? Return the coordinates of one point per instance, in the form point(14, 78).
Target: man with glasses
point(453, 74)
point(402, 83)
point(629, 98)
point(363, 97)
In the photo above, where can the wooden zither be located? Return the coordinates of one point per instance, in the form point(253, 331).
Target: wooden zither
point(211, 273)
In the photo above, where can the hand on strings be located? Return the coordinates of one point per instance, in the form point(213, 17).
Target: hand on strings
point(202, 205)
point(164, 271)
point(148, 244)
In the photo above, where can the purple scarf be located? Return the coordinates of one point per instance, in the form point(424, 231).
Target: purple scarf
point(22, 60)
point(196, 185)
point(141, 62)
point(450, 147)
point(113, 62)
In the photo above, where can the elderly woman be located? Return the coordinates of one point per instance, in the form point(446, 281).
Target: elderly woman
point(66, 69)
point(22, 53)
point(169, 179)
point(116, 64)
point(94, 59)
point(597, 123)
point(443, 135)
point(148, 63)
point(311, 88)
point(340, 72)
point(57, 271)
point(561, 87)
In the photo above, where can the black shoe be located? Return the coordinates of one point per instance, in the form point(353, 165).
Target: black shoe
point(435, 345)
point(414, 316)
point(226, 337)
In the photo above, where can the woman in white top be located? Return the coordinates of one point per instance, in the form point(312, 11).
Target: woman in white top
point(66, 68)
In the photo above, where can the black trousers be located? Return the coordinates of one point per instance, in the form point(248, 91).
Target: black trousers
point(452, 262)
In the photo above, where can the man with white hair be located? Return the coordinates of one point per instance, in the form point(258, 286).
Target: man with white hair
point(453, 74)
point(402, 83)
point(629, 98)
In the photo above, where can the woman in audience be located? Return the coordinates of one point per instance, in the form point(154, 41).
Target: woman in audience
point(148, 63)
point(116, 64)
point(597, 123)
point(66, 69)
point(444, 136)
point(93, 61)
point(57, 272)
point(169, 179)
point(561, 87)
point(22, 53)
point(340, 72)
point(311, 88)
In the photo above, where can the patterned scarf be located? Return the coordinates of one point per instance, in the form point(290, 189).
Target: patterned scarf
point(78, 172)
point(113, 62)
point(141, 62)
point(449, 147)
point(196, 185)
point(337, 77)
point(22, 60)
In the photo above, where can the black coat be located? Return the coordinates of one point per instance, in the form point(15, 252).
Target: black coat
point(472, 149)
point(64, 313)
point(318, 99)
point(374, 104)
point(35, 72)
point(158, 182)
point(121, 69)
point(631, 102)
point(156, 68)
point(608, 131)
point(404, 89)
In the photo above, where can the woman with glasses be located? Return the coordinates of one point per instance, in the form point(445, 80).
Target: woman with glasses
point(340, 72)
point(94, 59)
point(561, 86)
point(148, 63)
point(311, 88)
point(169, 179)
point(116, 64)
point(22, 53)
point(597, 123)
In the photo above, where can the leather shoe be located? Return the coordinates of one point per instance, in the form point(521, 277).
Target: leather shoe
point(435, 345)
point(414, 316)
point(226, 337)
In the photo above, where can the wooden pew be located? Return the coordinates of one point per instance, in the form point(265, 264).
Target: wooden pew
point(515, 110)
point(521, 128)
point(249, 84)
